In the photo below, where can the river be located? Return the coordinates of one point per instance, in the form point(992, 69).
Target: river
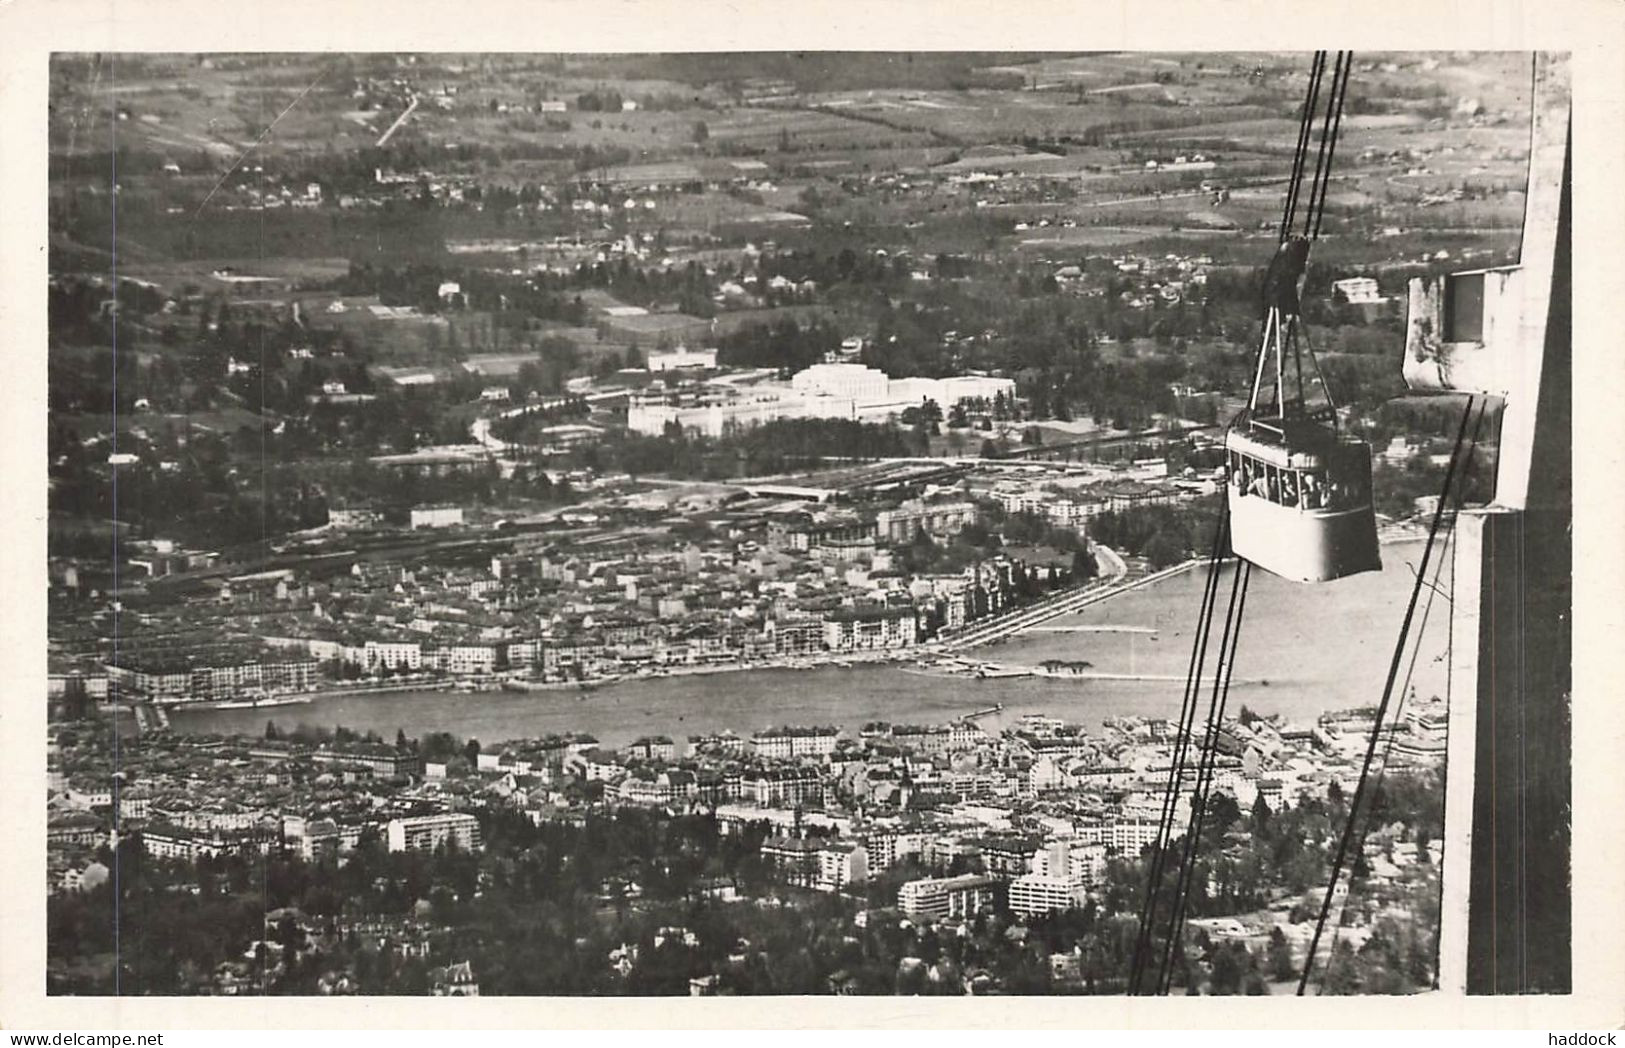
point(1305, 650)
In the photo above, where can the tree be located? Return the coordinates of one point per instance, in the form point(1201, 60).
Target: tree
point(1228, 969)
point(702, 131)
point(1261, 816)
point(1163, 550)
point(1279, 957)
point(1341, 976)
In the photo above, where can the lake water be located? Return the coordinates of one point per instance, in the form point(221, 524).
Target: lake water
point(1305, 650)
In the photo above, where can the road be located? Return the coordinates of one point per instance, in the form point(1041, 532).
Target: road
point(480, 430)
point(396, 126)
point(1109, 585)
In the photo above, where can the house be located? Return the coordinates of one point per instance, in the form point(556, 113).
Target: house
point(454, 980)
point(824, 863)
point(1358, 291)
point(436, 517)
point(653, 748)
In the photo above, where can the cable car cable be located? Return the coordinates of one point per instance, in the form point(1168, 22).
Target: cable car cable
point(1388, 748)
point(1187, 716)
point(1306, 122)
point(1405, 687)
point(1280, 306)
point(1328, 145)
point(1189, 849)
point(1209, 757)
point(1208, 767)
point(1387, 695)
point(1195, 671)
point(1337, 124)
point(1179, 755)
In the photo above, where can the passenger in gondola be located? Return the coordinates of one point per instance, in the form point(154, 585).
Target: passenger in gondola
point(1313, 493)
point(1289, 490)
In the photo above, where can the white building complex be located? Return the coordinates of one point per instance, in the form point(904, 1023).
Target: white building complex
point(681, 358)
point(1035, 893)
point(428, 832)
point(1359, 291)
point(833, 391)
point(874, 393)
point(854, 381)
point(941, 897)
point(436, 517)
point(719, 409)
point(788, 743)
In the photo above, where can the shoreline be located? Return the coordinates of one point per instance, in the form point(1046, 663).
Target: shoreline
point(931, 651)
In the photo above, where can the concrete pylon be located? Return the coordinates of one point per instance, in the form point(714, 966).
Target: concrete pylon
point(1506, 922)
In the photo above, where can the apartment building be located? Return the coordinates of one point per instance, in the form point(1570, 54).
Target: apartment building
point(427, 832)
point(788, 743)
point(824, 863)
point(1034, 893)
point(945, 897)
point(871, 628)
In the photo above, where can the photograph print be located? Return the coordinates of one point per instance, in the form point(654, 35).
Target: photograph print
point(770, 523)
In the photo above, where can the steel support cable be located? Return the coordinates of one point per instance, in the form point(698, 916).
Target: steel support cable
point(1189, 847)
point(1330, 125)
point(1388, 746)
point(1297, 359)
point(1306, 122)
point(1444, 776)
point(1387, 695)
point(1341, 93)
point(1405, 687)
point(1307, 118)
point(1187, 716)
point(1323, 151)
point(1206, 770)
point(1320, 376)
point(1210, 772)
point(1190, 844)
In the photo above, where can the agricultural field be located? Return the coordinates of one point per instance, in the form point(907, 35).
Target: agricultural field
point(546, 179)
point(818, 129)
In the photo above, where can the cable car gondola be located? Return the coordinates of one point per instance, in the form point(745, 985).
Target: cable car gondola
point(1298, 490)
